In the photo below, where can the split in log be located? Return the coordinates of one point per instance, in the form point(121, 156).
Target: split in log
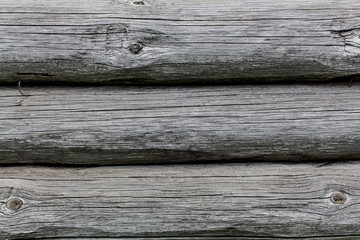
point(114, 125)
point(171, 41)
point(228, 201)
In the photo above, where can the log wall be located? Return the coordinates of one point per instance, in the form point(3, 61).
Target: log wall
point(201, 154)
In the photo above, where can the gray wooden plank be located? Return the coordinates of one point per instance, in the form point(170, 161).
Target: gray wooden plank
point(252, 201)
point(133, 125)
point(181, 41)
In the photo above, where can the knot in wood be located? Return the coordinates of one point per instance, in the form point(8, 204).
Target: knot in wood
point(135, 48)
point(338, 198)
point(14, 204)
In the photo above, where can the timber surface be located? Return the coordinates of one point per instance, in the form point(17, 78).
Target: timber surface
point(182, 41)
point(241, 201)
point(117, 125)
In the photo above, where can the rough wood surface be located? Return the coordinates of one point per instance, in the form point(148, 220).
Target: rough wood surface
point(253, 201)
point(182, 41)
point(114, 125)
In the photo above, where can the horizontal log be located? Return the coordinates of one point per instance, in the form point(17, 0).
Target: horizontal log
point(250, 201)
point(171, 41)
point(129, 125)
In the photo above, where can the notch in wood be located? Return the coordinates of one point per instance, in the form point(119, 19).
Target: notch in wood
point(138, 3)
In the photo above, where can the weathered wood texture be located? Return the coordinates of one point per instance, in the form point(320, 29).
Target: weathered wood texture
point(182, 41)
point(184, 201)
point(114, 125)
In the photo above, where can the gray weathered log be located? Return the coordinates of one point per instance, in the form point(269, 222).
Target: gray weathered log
point(182, 41)
point(114, 125)
point(184, 201)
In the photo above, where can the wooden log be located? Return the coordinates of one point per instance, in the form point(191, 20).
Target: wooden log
point(237, 201)
point(171, 41)
point(114, 125)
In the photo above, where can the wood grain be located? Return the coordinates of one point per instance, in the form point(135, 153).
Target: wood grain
point(223, 41)
point(133, 125)
point(238, 201)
